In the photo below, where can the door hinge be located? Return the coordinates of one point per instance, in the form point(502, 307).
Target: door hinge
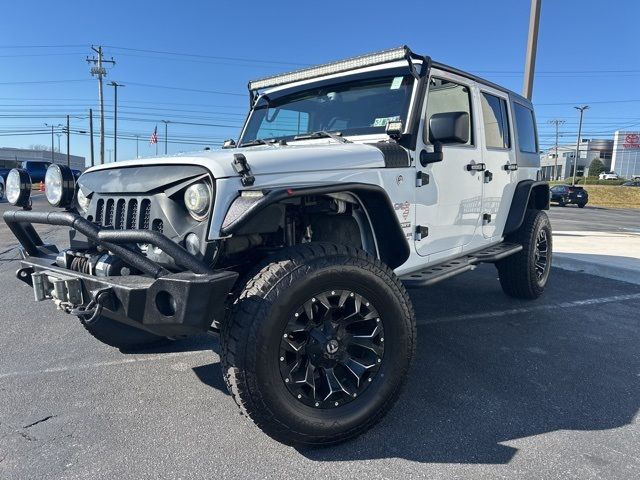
point(510, 167)
point(475, 167)
point(241, 166)
point(422, 179)
point(488, 176)
point(486, 218)
point(421, 232)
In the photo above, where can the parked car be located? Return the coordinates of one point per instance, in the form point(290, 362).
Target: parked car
point(631, 183)
point(569, 194)
point(349, 182)
point(36, 170)
point(1, 188)
point(608, 176)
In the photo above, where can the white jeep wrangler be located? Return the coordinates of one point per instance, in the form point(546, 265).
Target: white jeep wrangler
point(349, 182)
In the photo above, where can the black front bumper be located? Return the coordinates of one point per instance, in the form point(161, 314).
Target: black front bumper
point(164, 303)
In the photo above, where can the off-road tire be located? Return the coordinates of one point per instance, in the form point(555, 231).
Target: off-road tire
point(581, 205)
point(517, 272)
point(251, 337)
point(124, 337)
point(1, 191)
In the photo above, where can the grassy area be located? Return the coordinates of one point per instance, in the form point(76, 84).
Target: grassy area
point(613, 196)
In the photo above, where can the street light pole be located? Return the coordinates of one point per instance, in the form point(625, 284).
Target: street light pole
point(52, 148)
point(557, 123)
point(115, 86)
point(532, 46)
point(68, 143)
point(137, 138)
point(58, 135)
point(575, 159)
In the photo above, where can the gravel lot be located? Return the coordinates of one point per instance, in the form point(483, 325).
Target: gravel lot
point(500, 389)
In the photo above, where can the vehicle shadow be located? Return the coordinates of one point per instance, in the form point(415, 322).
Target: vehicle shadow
point(477, 385)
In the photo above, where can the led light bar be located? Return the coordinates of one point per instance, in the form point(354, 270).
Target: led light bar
point(353, 63)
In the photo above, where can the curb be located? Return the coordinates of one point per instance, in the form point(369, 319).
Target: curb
point(566, 262)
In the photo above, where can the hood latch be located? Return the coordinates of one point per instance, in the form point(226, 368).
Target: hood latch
point(241, 166)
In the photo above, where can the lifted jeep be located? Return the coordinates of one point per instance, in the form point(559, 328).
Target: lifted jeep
point(349, 182)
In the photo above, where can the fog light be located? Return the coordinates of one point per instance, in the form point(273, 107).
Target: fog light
point(59, 185)
point(18, 187)
point(192, 242)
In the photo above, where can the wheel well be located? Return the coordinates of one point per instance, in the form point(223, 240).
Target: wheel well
point(528, 195)
point(539, 197)
point(359, 217)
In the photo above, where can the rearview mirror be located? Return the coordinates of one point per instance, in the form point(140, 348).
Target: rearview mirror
point(449, 127)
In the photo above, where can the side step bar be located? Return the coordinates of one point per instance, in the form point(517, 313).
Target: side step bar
point(451, 268)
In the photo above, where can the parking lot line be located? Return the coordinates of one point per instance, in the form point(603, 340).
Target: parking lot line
point(150, 358)
point(535, 308)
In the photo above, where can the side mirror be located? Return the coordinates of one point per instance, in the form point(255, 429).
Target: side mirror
point(449, 127)
point(230, 143)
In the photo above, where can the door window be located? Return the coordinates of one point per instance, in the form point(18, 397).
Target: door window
point(525, 129)
point(446, 96)
point(496, 126)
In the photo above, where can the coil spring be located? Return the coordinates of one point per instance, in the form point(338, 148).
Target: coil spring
point(80, 264)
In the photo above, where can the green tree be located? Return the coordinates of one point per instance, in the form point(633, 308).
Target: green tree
point(596, 168)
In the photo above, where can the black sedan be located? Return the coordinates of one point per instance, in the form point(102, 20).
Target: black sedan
point(567, 194)
point(631, 183)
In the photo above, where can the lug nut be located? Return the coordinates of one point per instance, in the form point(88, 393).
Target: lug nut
point(317, 404)
point(299, 396)
point(336, 404)
point(282, 359)
point(285, 335)
point(286, 380)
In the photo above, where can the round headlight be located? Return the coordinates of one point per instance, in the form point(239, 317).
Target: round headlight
point(59, 185)
point(18, 187)
point(82, 200)
point(197, 199)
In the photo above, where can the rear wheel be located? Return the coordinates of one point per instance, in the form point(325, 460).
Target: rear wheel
point(119, 335)
point(318, 344)
point(581, 205)
point(525, 274)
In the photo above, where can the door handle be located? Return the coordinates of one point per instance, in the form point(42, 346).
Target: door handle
point(475, 167)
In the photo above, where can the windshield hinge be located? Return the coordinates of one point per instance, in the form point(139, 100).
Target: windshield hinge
point(241, 166)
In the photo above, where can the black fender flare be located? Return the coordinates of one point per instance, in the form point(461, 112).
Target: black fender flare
point(392, 244)
point(528, 194)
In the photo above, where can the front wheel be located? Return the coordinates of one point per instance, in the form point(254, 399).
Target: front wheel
point(318, 344)
point(525, 274)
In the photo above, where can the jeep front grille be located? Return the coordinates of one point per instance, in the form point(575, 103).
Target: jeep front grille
point(126, 213)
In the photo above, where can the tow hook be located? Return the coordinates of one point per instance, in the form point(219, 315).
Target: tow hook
point(90, 313)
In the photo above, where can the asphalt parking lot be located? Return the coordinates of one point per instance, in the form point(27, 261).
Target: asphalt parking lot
point(500, 389)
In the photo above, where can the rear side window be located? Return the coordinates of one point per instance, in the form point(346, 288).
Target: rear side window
point(496, 125)
point(525, 129)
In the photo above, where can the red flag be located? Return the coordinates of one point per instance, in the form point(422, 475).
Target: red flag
point(154, 136)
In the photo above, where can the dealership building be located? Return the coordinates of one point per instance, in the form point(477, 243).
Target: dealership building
point(589, 150)
point(626, 154)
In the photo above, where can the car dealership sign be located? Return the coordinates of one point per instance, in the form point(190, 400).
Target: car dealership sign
point(631, 140)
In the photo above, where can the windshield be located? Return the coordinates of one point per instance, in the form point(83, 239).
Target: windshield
point(360, 106)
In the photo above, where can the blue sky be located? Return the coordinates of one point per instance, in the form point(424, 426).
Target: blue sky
point(585, 55)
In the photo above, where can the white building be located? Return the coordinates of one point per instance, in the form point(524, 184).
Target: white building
point(12, 157)
point(626, 154)
point(590, 149)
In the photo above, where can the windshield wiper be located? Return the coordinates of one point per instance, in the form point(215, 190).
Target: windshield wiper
point(257, 141)
point(323, 134)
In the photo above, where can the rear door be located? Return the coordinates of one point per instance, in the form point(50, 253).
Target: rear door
point(499, 158)
point(450, 204)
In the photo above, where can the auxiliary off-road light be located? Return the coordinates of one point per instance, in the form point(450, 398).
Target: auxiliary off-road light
point(18, 187)
point(197, 199)
point(361, 61)
point(59, 185)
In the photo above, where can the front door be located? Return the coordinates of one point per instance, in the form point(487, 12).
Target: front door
point(450, 204)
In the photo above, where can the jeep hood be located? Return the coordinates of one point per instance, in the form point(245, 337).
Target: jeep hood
point(271, 160)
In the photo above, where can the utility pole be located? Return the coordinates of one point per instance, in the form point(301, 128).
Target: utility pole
point(91, 135)
point(137, 138)
point(532, 46)
point(575, 159)
point(58, 135)
point(557, 123)
point(99, 71)
point(68, 143)
point(52, 148)
point(109, 150)
point(115, 86)
point(166, 122)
